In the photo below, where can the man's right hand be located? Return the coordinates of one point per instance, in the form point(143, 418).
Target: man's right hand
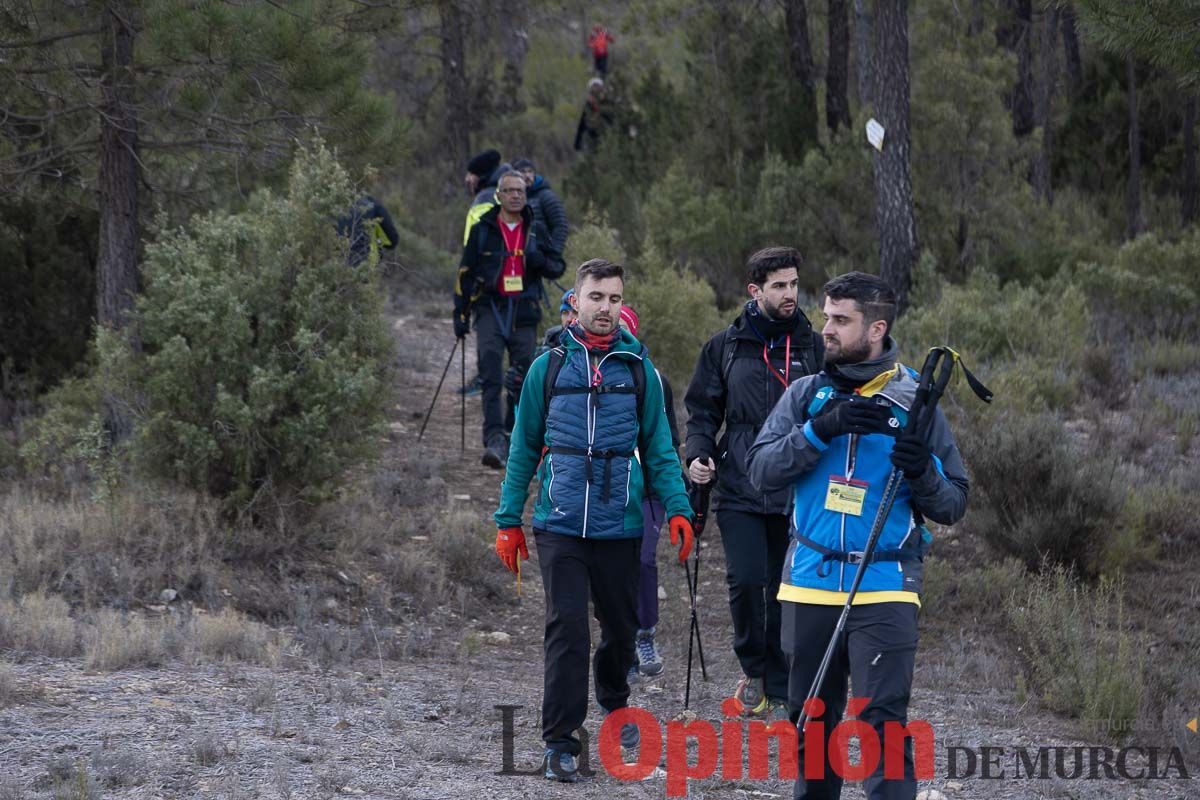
point(462, 326)
point(702, 470)
point(861, 415)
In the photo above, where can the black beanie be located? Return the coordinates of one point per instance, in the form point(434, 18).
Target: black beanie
point(484, 164)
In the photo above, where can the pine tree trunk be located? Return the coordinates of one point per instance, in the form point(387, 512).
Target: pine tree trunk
point(800, 63)
point(454, 81)
point(1022, 97)
point(1044, 105)
point(837, 106)
point(513, 19)
point(1190, 188)
point(893, 182)
point(1133, 198)
point(862, 44)
point(116, 263)
point(1074, 64)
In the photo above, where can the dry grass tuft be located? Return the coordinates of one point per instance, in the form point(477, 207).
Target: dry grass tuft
point(117, 641)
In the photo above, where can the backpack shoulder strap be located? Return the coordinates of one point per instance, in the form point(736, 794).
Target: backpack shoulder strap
point(728, 351)
point(553, 366)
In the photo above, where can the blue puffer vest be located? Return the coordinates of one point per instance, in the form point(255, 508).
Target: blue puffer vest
point(595, 432)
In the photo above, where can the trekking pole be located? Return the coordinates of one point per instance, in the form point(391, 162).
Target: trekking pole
point(920, 418)
point(462, 394)
point(438, 391)
point(700, 507)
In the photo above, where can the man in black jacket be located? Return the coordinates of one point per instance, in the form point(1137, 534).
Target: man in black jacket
point(500, 283)
point(548, 210)
point(741, 374)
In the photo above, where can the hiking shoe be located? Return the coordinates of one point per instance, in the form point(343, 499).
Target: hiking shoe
point(649, 661)
point(631, 737)
point(776, 710)
point(475, 386)
point(750, 692)
point(561, 767)
point(495, 455)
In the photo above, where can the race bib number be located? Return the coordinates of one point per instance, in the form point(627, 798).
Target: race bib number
point(513, 283)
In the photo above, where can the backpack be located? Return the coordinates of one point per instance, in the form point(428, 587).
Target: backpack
point(559, 354)
point(729, 352)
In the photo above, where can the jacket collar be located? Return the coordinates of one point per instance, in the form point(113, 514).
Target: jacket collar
point(626, 345)
point(492, 217)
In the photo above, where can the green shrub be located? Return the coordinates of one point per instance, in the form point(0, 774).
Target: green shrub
point(1033, 335)
point(1035, 495)
point(1150, 286)
point(593, 239)
point(678, 313)
point(264, 355)
point(1080, 656)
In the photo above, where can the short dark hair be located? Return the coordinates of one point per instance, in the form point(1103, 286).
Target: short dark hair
point(870, 293)
point(769, 259)
point(522, 163)
point(598, 269)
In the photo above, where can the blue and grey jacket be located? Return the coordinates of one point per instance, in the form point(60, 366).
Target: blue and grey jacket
point(821, 559)
point(591, 483)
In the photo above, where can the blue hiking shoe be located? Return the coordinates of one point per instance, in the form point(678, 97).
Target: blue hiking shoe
point(473, 387)
point(631, 737)
point(561, 767)
point(650, 663)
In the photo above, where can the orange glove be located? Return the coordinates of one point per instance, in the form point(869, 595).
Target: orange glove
point(510, 541)
point(681, 526)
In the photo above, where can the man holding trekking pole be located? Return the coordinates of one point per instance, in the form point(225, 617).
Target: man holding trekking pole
point(833, 441)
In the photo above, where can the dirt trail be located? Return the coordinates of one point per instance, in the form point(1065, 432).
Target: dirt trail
point(426, 726)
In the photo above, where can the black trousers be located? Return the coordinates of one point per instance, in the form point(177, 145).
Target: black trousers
point(755, 547)
point(573, 569)
point(876, 650)
point(491, 341)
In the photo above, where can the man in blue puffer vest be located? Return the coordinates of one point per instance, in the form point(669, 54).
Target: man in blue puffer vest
point(587, 520)
point(834, 439)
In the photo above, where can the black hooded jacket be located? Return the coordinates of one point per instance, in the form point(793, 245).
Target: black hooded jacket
point(733, 387)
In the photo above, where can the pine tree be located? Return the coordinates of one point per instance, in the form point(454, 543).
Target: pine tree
point(188, 104)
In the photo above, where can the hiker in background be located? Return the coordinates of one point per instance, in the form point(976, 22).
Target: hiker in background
point(649, 660)
point(851, 414)
point(499, 287)
point(482, 180)
point(368, 226)
point(741, 374)
point(548, 210)
point(585, 408)
point(598, 41)
point(596, 116)
point(566, 315)
point(483, 174)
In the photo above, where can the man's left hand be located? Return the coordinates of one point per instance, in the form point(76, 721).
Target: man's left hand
point(681, 528)
point(910, 455)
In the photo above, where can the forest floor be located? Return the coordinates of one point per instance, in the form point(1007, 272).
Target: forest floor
point(420, 721)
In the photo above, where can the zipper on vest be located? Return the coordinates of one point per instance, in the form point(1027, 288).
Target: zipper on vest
point(591, 431)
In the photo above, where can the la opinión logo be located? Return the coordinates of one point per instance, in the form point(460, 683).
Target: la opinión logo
point(743, 748)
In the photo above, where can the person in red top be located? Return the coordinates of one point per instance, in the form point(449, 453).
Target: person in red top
point(598, 42)
point(499, 288)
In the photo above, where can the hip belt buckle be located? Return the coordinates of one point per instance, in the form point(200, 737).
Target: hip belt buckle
point(854, 557)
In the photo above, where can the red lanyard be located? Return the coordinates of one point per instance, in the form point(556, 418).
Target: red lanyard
point(512, 243)
point(782, 377)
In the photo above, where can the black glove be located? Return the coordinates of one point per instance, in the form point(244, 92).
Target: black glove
point(861, 415)
point(462, 325)
point(514, 378)
point(910, 455)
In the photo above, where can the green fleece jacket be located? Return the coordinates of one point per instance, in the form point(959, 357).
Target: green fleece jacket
point(530, 437)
